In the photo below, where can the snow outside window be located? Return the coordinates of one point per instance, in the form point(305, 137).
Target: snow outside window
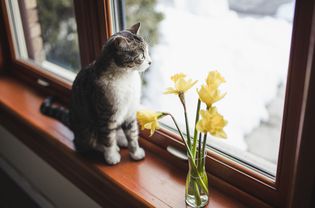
point(248, 42)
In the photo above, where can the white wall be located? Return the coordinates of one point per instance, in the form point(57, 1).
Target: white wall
point(42, 182)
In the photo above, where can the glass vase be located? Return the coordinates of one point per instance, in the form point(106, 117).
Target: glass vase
point(197, 194)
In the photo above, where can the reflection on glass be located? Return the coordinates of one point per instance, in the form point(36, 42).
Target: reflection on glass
point(46, 34)
point(248, 42)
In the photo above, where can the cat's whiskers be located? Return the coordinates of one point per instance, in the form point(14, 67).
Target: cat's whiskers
point(148, 40)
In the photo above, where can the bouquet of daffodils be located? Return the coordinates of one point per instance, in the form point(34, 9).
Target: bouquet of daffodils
point(211, 121)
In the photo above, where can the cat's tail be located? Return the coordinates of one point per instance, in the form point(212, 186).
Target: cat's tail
point(57, 112)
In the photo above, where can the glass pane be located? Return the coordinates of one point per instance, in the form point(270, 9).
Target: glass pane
point(248, 42)
point(46, 34)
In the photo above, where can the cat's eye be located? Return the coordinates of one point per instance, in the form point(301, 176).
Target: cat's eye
point(142, 57)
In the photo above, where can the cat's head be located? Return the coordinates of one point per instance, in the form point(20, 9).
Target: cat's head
point(129, 50)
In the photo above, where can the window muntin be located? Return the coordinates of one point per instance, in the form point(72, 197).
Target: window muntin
point(248, 43)
point(45, 33)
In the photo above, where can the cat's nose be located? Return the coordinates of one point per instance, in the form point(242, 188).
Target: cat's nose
point(150, 62)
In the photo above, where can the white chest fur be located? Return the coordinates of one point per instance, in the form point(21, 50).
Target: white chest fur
point(124, 91)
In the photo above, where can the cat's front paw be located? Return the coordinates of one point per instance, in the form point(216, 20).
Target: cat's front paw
point(117, 148)
point(139, 154)
point(112, 158)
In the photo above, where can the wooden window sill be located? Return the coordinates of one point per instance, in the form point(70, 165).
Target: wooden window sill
point(153, 182)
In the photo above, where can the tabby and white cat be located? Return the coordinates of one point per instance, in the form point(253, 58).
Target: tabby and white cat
point(105, 97)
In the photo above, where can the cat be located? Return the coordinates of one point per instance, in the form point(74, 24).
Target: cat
point(105, 97)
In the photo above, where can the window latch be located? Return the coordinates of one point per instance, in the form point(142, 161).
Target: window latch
point(176, 152)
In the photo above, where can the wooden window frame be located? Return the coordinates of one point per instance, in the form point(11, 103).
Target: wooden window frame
point(90, 43)
point(226, 174)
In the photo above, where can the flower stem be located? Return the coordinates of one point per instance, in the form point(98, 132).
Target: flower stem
point(199, 148)
point(182, 99)
point(180, 133)
point(187, 128)
point(197, 193)
point(203, 148)
point(196, 131)
point(195, 169)
point(199, 153)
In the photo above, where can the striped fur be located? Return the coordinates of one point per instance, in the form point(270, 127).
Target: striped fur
point(105, 97)
point(57, 112)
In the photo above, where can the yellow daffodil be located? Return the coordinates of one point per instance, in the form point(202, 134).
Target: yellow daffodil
point(210, 94)
point(178, 76)
point(212, 122)
point(149, 120)
point(214, 79)
point(181, 84)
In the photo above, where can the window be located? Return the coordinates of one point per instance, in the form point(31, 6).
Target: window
point(263, 51)
point(249, 43)
point(43, 30)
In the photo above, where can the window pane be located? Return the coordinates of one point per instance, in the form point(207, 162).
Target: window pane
point(46, 34)
point(248, 42)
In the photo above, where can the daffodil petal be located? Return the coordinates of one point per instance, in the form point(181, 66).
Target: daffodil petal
point(148, 120)
point(215, 79)
point(212, 122)
point(181, 84)
point(220, 134)
point(147, 125)
point(209, 95)
point(170, 90)
point(178, 76)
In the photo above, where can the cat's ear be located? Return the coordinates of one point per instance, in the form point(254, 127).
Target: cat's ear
point(120, 42)
point(135, 28)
